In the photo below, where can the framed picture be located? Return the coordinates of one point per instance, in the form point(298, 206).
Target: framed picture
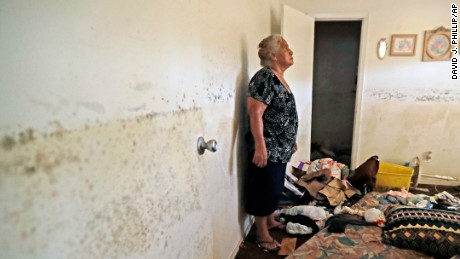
point(437, 45)
point(403, 44)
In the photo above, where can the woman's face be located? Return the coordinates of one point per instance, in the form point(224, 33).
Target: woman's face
point(284, 55)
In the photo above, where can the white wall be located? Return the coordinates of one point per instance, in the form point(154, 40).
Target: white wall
point(408, 106)
point(101, 107)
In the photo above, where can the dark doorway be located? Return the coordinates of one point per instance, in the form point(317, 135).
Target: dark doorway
point(336, 58)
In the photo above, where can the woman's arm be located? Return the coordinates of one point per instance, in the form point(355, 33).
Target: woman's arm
point(256, 110)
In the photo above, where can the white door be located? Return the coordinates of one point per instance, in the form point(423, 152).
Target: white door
point(298, 30)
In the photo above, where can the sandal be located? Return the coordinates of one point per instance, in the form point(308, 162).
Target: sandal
point(260, 244)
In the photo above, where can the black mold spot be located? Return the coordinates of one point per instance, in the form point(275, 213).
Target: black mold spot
point(8, 142)
point(30, 170)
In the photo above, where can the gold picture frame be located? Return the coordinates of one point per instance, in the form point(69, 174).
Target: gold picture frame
point(403, 44)
point(437, 45)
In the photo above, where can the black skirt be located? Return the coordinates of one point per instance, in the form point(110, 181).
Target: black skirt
point(264, 187)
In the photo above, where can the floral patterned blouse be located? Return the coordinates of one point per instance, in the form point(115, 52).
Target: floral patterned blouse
point(279, 119)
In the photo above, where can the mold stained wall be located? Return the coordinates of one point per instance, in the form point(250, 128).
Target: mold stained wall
point(408, 106)
point(101, 107)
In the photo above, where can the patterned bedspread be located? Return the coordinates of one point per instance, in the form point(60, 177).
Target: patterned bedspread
point(355, 242)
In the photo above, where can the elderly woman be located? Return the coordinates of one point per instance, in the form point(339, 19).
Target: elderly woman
point(271, 138)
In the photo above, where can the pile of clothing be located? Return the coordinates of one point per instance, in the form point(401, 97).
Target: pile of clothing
point(326, 186)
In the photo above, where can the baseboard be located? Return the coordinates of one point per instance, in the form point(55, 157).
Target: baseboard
point(246, 232)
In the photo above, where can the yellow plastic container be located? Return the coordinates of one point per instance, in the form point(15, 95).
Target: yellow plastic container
point(394, 176)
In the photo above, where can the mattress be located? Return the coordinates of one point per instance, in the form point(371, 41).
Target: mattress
point(355, 242)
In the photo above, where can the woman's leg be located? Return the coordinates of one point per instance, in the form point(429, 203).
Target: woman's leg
point(271, 222)
point(265, 188)
point(263, 237)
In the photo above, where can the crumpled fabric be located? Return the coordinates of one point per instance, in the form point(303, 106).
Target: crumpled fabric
point(374, 215)
point(298, 229)
point(403, 193)
point(300, 219)
point(411, 200)
point(313, 212)
point(326, 163)
point(447, 198)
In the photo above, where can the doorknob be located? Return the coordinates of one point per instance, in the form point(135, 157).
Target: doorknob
point(211, 145)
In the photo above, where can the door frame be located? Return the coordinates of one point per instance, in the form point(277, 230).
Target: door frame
point(364, 18)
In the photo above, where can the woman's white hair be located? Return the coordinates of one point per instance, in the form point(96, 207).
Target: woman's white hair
point(267, 47)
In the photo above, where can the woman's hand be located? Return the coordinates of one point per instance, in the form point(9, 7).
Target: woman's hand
point(260, 157)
